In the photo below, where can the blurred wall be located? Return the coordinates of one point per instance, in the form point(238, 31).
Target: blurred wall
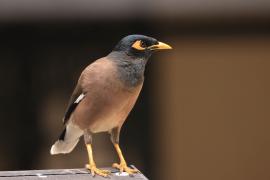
point(213, 108)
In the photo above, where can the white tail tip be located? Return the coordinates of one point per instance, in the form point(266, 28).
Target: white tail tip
point(62, 147)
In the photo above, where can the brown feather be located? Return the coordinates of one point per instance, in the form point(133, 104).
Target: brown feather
point(71, 104)
point(108, 101)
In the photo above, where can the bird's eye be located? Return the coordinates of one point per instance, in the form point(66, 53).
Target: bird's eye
point(143, 44)
point(139, 45)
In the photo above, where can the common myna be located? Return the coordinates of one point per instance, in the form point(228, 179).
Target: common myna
point(104, 95)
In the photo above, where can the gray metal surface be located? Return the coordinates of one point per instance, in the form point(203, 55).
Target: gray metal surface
point(65, 174)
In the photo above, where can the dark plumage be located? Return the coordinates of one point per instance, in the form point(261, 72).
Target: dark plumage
point(125, 45)
point(104, 95)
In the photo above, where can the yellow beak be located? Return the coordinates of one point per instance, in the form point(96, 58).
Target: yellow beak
point(160, 45)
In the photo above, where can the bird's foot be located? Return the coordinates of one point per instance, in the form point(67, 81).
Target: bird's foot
point(94, 170)
point(124, 168)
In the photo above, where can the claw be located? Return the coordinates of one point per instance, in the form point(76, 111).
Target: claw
point(94, 170)
point(124, 168)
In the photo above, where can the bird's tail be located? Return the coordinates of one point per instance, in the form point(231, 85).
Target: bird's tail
point(67, 140)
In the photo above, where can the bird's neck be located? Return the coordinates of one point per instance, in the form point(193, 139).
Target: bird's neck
point(131, 69)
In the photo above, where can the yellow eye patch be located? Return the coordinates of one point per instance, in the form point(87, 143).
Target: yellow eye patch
point(138, 45)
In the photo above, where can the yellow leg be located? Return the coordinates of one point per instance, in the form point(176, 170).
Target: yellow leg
point(122, 166)
point(92, 165)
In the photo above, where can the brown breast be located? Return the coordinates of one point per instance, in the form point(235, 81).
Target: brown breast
point(107, 102)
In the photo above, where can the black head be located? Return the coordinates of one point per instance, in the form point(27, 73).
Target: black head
point(140, 46)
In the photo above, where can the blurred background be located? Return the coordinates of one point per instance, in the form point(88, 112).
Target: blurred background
point(203, 112)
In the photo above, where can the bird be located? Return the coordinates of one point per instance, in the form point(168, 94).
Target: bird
point(105, 93)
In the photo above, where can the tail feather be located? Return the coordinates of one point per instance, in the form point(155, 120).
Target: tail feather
point(62, 136)
point(67, 140)
point(63, 147)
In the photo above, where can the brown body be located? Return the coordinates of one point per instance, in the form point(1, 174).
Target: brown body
point(104, 96)
point(107, 100)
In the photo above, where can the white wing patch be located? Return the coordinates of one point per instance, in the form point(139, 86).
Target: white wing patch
point(79, 98)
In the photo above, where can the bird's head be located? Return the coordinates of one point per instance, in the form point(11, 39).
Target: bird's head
point(140, 46)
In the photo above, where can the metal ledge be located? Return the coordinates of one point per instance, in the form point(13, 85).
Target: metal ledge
point(66, 174)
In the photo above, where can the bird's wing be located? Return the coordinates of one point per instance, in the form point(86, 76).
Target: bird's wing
point(75, 99)
point(90, 79)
